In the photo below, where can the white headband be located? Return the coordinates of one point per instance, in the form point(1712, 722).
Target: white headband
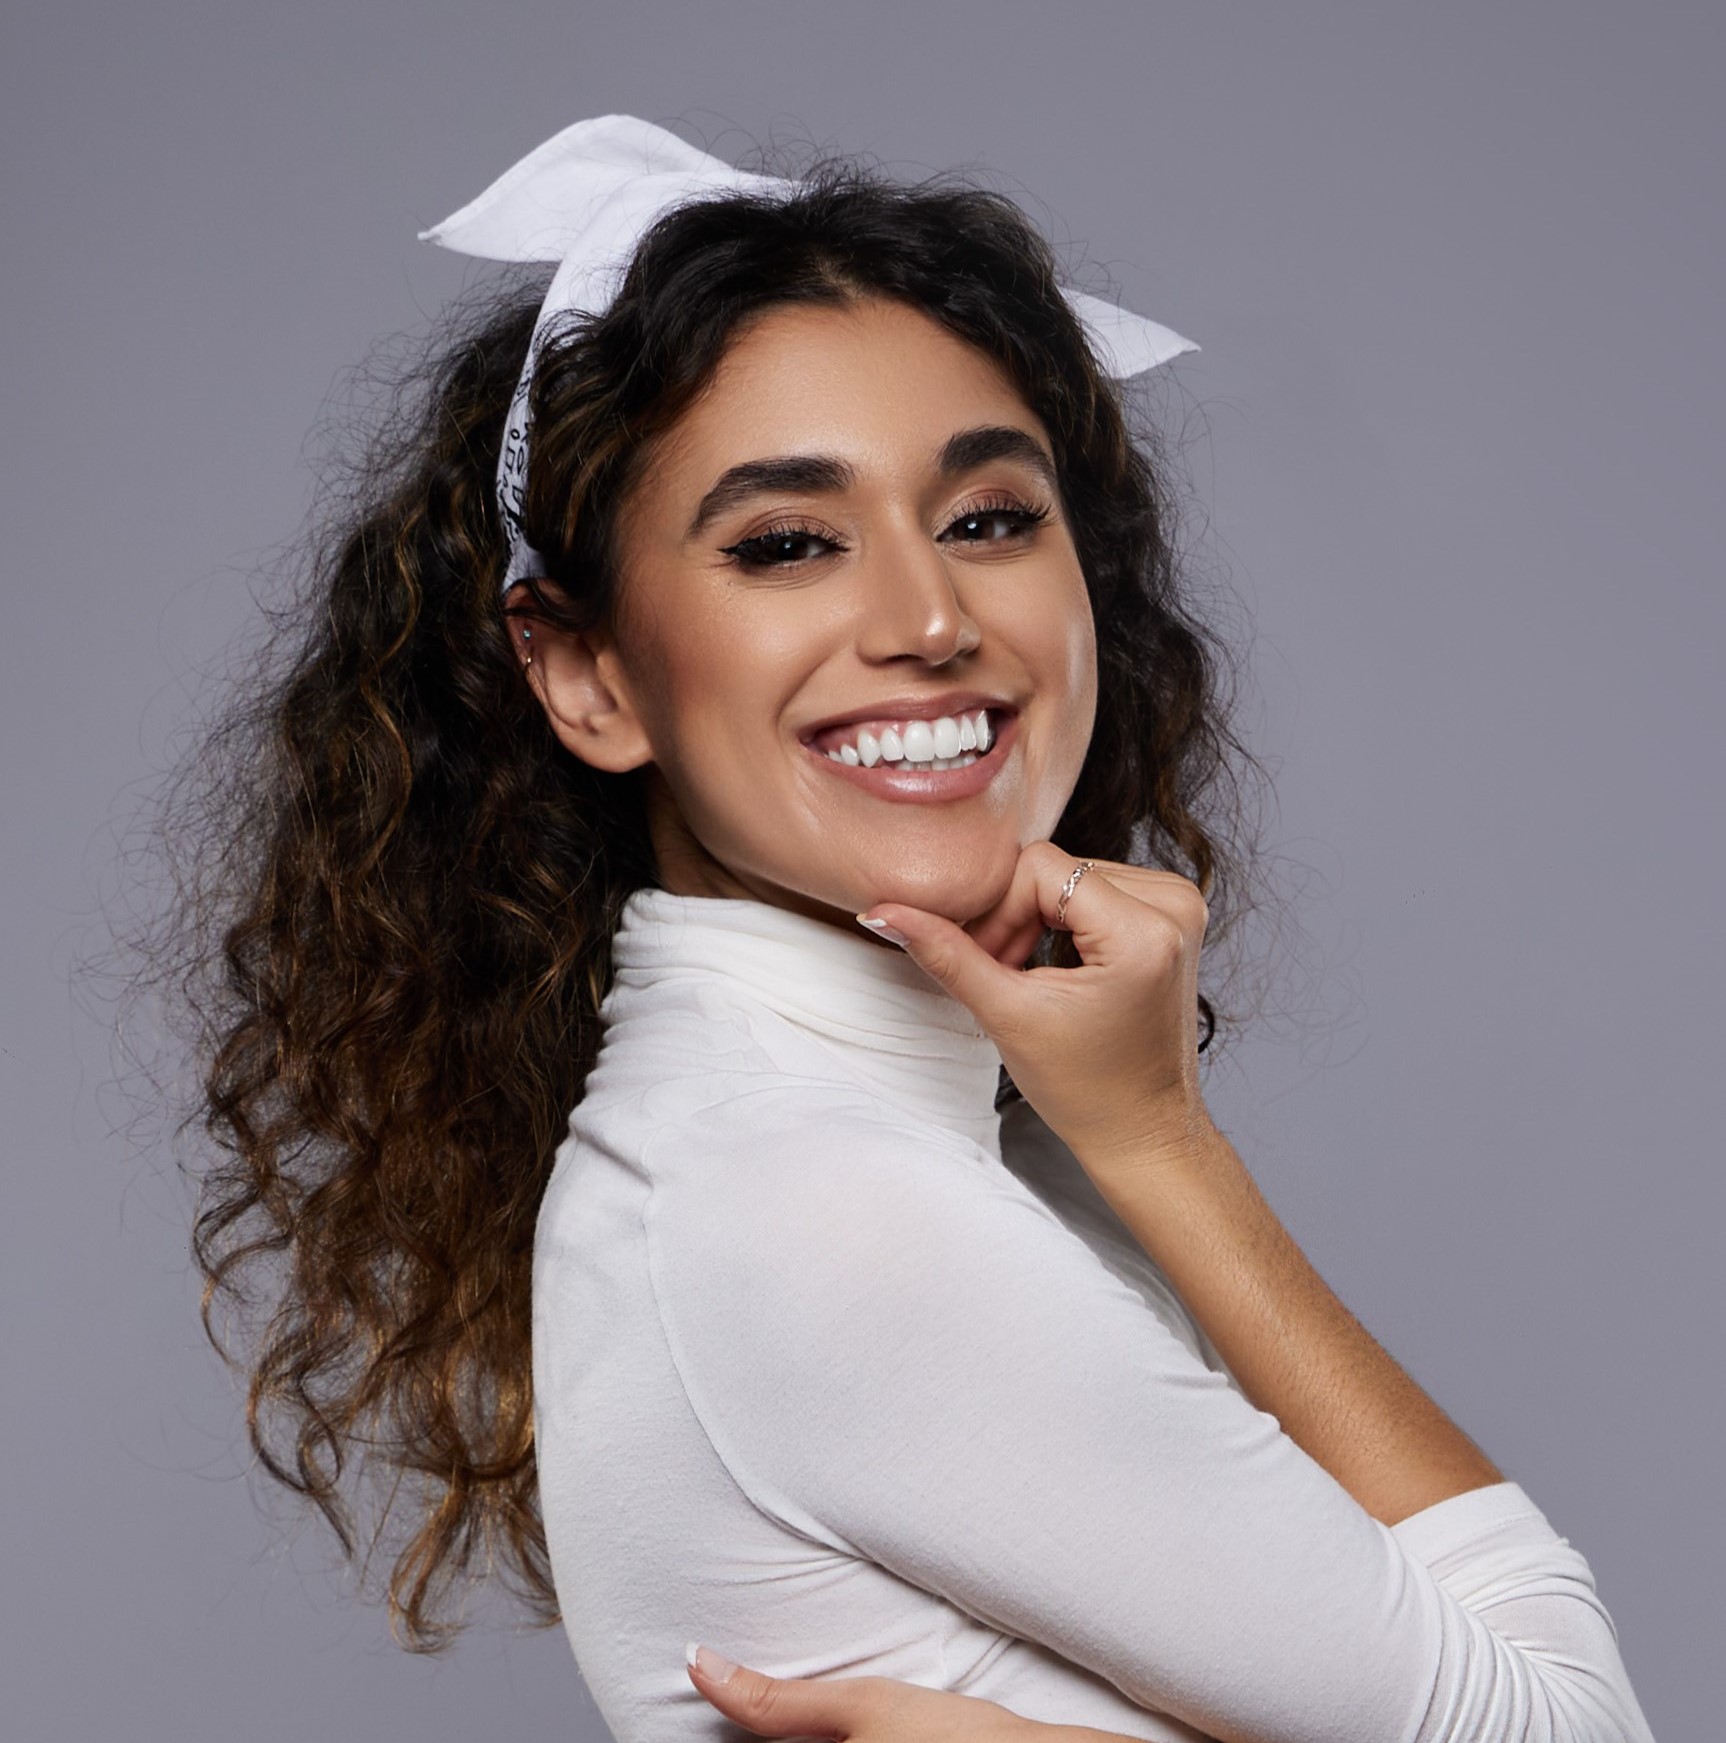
point(585, 198)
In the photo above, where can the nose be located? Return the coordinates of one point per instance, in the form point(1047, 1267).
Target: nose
point(910, 609)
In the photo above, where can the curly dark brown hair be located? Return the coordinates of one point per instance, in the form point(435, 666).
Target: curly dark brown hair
point(394, 927)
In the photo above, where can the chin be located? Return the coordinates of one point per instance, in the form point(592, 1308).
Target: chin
point(956, 893)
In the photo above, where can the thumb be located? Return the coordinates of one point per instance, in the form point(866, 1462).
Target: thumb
point(774, 1706)
point(948, 954)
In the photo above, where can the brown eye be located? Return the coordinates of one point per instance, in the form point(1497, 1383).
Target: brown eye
point(778, 547)
point(1015, 516)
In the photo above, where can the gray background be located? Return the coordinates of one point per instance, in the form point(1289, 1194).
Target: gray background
point(1456, 270)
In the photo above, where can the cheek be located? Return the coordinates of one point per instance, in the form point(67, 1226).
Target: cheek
point(1083, 655)
point(689, 721)
point(1076, 639)
point(680, 666)
point(1070, 672)
point(707, 690)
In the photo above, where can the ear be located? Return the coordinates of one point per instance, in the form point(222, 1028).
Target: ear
point(580, 682)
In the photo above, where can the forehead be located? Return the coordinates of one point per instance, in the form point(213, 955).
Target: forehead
point(872, 380)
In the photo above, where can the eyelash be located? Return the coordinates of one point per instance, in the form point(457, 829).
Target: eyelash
point(745, 553)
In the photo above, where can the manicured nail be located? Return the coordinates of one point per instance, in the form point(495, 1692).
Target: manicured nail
point(882, 930)
point(709, 1663)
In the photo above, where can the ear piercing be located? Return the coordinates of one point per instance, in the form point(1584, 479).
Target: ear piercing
point(527, 637)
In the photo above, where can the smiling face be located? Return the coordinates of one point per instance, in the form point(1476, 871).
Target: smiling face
point(852, 635)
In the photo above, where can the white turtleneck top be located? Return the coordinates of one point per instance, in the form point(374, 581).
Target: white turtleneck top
point(843, 1373)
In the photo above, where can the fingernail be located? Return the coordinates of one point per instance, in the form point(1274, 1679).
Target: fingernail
point(882, 930)
point(708, 1662)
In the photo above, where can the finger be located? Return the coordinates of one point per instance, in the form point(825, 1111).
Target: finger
point(1177, 896)
point(774, 1706)
point(1094, 906)
point(1011, 929)
point(992, 992)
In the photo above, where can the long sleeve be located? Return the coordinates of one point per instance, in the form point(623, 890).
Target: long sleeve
point(900, 1352)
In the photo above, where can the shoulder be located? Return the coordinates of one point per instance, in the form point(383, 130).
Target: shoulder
point(787, 1161)
point(842, 1294)
point(808, 1222)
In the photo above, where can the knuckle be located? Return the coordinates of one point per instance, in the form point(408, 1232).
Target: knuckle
point(943, 964)
point(1181, 895)
point(1165, 940)
point(764, 1695)
point(1181, 900)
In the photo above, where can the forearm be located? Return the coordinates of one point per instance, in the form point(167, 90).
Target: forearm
point(1299, 1605)
point(1296, 1350)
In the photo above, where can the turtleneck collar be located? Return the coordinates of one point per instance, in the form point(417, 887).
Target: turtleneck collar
point(885, 1021)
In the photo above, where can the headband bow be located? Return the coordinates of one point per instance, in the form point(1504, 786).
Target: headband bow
point(584, 199)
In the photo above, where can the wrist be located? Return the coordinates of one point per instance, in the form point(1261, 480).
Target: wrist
point(1163, 1137)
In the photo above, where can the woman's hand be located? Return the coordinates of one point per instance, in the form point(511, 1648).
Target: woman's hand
point(1107, 1052)
point(868, 1709)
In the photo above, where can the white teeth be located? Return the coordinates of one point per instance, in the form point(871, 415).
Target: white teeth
point(950, 742)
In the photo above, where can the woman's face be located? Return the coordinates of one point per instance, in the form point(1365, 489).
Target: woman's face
point(861, 667)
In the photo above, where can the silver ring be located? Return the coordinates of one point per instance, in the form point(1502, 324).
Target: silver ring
point(1069, 886)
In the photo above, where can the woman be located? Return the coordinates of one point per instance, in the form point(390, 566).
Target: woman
point(822, 583)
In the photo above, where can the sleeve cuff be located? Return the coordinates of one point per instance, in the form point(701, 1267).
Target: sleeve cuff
point(1501, 1512)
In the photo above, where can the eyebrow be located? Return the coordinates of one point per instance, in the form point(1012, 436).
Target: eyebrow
point(812, 473)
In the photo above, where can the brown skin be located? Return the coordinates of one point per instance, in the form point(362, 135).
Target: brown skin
point(715, 674)
point(1107, 1053)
